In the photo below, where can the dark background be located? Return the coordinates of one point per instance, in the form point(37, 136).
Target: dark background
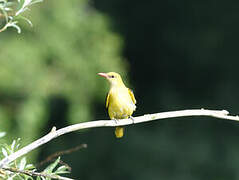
point(182, 55)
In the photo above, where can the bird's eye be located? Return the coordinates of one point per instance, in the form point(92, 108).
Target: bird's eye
point(112, 76)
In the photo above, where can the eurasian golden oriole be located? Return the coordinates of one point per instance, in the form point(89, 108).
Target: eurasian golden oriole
point(120, 100)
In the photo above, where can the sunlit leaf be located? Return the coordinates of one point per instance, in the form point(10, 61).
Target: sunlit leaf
point(29, 166)
point(62, 170)
point(52, 166)
point(22, 163)
point(4, 152)
point(2, 134)
point(13, 144)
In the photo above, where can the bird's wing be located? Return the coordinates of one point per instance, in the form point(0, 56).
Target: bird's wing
point(132, 95)
point(107, 100)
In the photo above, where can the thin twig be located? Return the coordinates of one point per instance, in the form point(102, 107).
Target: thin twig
point(60, 153)
point(223, 114)
point(5, 25)
point(4, 28)
point(6, 17)
point(32, 173)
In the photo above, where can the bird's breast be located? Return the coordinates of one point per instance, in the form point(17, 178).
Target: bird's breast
point(120, 104)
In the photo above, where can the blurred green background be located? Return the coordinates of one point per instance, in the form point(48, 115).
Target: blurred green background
point(173, 54)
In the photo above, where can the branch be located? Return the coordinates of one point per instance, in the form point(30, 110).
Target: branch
point(112, 123)
point(32, 173)
point(60, 153)
point(4, 28)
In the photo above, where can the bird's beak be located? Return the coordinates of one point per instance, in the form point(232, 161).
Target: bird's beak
point(103, 75)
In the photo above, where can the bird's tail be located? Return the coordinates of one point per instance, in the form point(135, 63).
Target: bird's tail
point(119, 132)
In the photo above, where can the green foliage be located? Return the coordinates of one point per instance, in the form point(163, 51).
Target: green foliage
point(21, 165)
point(11, 12)
point(51, 170)
point(58, 58)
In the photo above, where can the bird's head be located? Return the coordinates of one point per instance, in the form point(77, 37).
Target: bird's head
point(113, 78)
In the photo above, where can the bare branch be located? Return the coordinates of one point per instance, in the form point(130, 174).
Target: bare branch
point(111, 123)
point(60, 153)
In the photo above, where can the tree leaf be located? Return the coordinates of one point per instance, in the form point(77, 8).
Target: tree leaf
point(2, 134)
point(52, 166)
point(13, 145)
point(22, 163)
point(4, 152)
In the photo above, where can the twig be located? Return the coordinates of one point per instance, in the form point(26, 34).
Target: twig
point(4, 28)
point(112, 123)
point(32, 173)
point(60, 153)
point(6, 23)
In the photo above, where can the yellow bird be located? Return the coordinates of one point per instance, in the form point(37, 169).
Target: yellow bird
point(120, 100)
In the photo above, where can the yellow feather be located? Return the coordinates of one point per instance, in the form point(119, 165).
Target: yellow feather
point(107, 100)
point(132, 95)
point(119, 132)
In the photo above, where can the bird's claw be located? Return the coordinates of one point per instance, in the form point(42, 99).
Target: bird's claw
point(116, 121)
point(132, 118)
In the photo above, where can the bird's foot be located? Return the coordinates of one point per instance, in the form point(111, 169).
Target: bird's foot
point(116, 121)
point(132, 118)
